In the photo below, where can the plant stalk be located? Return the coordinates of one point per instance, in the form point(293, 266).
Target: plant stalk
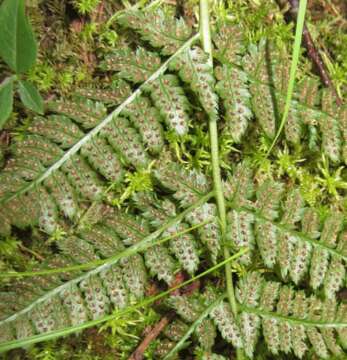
point(205, 35)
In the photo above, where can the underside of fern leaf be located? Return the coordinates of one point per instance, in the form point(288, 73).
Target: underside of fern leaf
point(108, 172)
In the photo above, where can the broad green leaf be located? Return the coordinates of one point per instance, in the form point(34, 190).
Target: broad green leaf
point(18, 45)
point(30, 96)
point(6, 101)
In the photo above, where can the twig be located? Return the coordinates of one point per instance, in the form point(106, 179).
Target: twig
point(313, 53)
point(151, 335)
point(32, 252)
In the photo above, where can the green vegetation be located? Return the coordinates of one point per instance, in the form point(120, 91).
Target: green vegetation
point(156, 186)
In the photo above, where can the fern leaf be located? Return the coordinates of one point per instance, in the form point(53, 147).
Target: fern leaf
point(268, 198)
point(159, 29)
point(280, 79)
point(229, 43)
point(225, 322)
point(184, 246)
point(59, 129)
point(240, 188)
point(307, 97)
point(189, 308)
point(126, 141)
point(341, 316)
point(157, 258)
point(160, 263)
point(255, 63)
point(291, 240)
point(329, 126)
point(146, 120)
point(288, 318)
point(232, 88)
point(188, 185)
point(193, 68)
point(299, 310)
point(23, 327)
point(83, 178)
point(206, 334)
point(163, 348)
point(129, 228)
point(103, 239)
point(37, 147)
point(75, 305)
point(113, 283)
point(101, 156)
point(320, 257)
point(78, 249)
point(135, 67)
point(293, 212)
point(83, 111)
point(95, 296)
point(175, 330)
point(269, 195)
point(209, 233)
point(64, 195)
point(249, 293)
point(113, 96)
point(171, 101)
point(268, 301)
point(240, 233)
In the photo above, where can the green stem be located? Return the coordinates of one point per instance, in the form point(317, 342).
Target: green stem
point(205, 35)
point(293, 67)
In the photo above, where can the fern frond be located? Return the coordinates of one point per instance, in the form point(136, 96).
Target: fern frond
point(320, 257)
point(285, 316)
point(232, 88)
point(191, 309)
point(184, 247)
point(161, 263)
point(194, 69)
point(85, 112)
point(187, 185)
point(210, 234)
point(171, 101)
point(146, 119)
point(229, 43)
point(83, 178)
point(59, 129)
point(239, 187)
point(135, 67)
point(103, 159)
point(113, 96)
point(159, 29)
point(126, 141)
point(329, 126)
point(240, 233)
point(255, 63)
point(286, 233)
